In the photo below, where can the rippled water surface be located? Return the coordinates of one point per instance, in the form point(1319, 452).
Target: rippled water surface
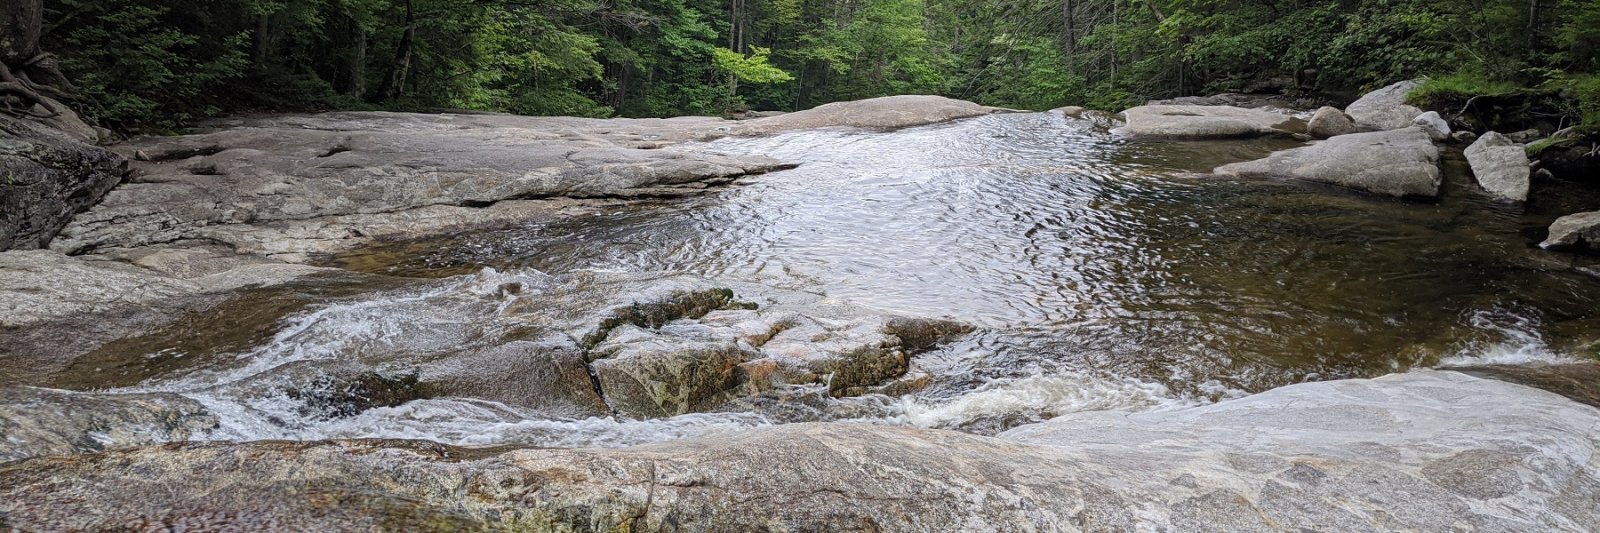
point(1102, 273)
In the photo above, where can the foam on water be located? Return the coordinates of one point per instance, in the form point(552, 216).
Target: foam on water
point(1034, 398)
point(1512, 339)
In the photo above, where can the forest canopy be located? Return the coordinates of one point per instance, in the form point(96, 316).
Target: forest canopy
point(156, 65)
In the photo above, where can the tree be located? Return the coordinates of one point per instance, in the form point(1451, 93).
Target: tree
point(29, 77)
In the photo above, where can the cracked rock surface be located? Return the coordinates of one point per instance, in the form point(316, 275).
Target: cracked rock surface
point(1430, 451)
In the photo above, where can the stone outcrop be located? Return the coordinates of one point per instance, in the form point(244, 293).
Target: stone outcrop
point(46, 177)
point(1501, 166)
point(1386, 108)
point(1330, 122)
point(1425, 451)
point(1397, 163)
point(889, 112)
point(1579, 230)
point(1206, 122)
point(290, 169)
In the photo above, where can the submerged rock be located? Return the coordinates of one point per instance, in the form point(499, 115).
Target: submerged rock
point(1397, 163)
point(36, 422)
point(1386, 108)
point(46, 177)
point(1421, 451)
point(1330, 122)
point(1501, 166)
point(1201, 122)
point(56, 308)
point(889, 112)
point(1579, 230)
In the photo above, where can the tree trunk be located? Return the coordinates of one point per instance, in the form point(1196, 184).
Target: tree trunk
point(21, 23)
point(395, 86)
point(1069, 37)
point(21, 61)
point(357, 69)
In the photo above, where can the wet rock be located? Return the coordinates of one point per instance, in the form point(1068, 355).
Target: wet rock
point(1330, 122)
point(1580, 230)
point(55, 308)
point(699, 364)
point(1525, 136)
point(1579, 381)
point(36, 422)
point(889, 112)
point(1397, 163)
point(1501, 166)
point(1201, 122)
point(1423, 451)
point(547, 375)
point(46, 177)
point(1385, 109)
point(1463, 136)
point(1434, 125)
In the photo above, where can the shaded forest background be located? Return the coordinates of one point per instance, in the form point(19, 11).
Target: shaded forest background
point(156, 65)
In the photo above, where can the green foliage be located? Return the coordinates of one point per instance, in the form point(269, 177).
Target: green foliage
point(752, 69)
point(1458, 87)
point(156, 65)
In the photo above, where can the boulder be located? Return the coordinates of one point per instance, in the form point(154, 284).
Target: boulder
point(1202, 122)
point(1436, 126)
point(1463, 136)
point(1501, 166)
point(1385, 109)
point(1580, 230)
point(889, 112)
point(46, 177)
point(1330, 122)
point(1424, 451)
point(1397, 163)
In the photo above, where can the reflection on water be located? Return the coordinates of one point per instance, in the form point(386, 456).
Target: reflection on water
point(1102, 274)
point(1077, 251)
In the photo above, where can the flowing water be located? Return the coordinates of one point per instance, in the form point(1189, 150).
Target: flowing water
point(1101, 274)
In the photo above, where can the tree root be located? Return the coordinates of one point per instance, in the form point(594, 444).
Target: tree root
point(26, 94)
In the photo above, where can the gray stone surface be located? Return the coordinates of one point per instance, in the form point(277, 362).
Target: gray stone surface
point(1396, 163)
point(36, 422)
point(1203, 122)
point(46, 177)
point(297, 168)
point(889, 112)
point(1434, 125)
point(1386, 108)
point(1501, 166)
point(1330, 122)
point(1578, 230)
point(1425, 451)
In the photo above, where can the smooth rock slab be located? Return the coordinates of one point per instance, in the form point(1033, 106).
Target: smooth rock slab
point(1397, 163)
point(1580, 230)
point(1386, 108)
point(1501, 166)
point(889, 112)
point(1203, 122)
point(1426, 451)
